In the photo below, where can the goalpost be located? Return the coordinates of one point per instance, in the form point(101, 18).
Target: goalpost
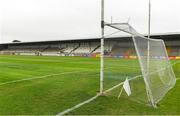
point(150, 78)
point(102, 48)
point(157, 74)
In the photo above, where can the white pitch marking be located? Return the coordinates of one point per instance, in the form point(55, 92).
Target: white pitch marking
point(89, 100)
point(78, 105)
point(45, 76)
point(106, 91)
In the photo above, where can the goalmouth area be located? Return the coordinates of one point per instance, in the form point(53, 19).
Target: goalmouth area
point(49, 85)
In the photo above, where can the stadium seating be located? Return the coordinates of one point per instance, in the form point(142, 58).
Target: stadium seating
point(90, 48)
point(83, 48)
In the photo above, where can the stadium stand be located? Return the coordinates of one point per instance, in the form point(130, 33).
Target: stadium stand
point(120, 46)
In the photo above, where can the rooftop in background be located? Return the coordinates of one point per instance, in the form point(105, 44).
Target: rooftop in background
point(164, 36)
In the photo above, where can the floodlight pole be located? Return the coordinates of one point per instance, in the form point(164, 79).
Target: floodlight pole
point(102, 48)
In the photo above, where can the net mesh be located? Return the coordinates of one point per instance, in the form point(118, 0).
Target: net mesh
point(157, 74)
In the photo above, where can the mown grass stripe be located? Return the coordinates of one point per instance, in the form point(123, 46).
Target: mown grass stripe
point(33, 78)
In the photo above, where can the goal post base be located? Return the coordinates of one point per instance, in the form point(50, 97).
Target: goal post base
point(102, 94)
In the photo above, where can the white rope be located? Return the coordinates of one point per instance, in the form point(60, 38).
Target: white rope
point(120, 92)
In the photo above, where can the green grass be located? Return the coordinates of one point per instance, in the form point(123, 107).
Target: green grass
point(72, 80)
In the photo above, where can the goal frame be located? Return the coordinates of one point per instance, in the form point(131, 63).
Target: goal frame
point(103, 24)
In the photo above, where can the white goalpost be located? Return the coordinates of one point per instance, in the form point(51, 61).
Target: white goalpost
point(157, 74)
point(102, 48)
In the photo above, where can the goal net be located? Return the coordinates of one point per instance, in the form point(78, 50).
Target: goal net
point(147, 66)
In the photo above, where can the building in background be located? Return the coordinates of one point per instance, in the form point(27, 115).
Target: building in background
point(114, 47)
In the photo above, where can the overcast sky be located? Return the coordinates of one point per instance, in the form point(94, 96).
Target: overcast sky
point(37, 20)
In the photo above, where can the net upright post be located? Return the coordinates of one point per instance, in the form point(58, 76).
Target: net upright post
point(148, 55)
point(102, 48)
point(149, 20)
point(148, 46)
point(149, 32)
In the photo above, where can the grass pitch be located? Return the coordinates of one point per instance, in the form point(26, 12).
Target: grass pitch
point(48, 85)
